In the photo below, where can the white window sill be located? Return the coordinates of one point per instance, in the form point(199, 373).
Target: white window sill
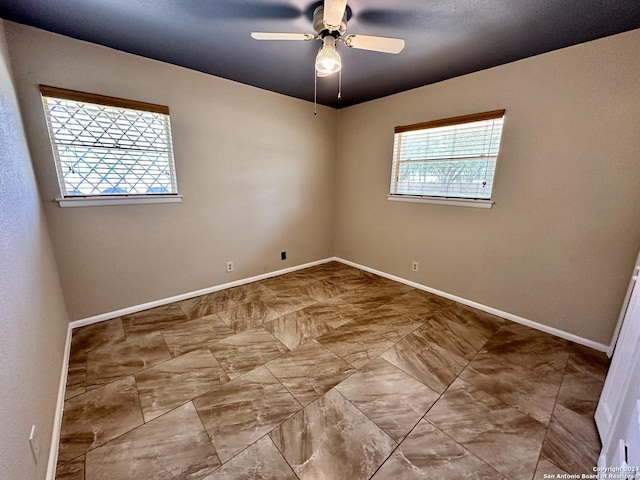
point(452, 202)
point(100, 201)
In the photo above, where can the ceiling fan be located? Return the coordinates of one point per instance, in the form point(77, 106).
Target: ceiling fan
point(330, 24)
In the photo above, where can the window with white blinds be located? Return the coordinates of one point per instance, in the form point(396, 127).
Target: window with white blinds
point(453, 158)
point(109, 147)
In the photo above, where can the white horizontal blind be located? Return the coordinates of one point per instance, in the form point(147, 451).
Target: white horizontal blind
point(451, 158)
point(102, 149)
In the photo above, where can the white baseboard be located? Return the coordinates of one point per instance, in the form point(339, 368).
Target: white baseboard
point(57, 423)
point(53, 455)
point(509, 316)
point(500, 313)
point(57, 419)
point(184, 296)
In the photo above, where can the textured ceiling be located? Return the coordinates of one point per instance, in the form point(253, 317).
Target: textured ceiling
point(444, 38)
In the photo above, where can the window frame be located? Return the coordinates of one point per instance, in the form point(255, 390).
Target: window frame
point(102, 198)
point(434, 199)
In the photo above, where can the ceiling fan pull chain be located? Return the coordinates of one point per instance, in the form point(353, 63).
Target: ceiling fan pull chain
point(315, 92)
point(330, 24)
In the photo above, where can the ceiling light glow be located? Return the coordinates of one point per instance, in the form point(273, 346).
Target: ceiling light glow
point(328, 60)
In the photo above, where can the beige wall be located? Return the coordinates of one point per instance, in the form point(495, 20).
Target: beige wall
point(258, 176)
point(256, 170)
point(559, 245)
point(33, 319)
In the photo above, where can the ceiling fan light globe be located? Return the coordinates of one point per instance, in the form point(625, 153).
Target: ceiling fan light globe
point(328, 61)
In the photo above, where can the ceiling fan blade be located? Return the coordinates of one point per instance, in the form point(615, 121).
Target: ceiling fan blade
point(333, 13)
point(376, 44)
point(242, 9)
point(391, 17)
point(282, 36)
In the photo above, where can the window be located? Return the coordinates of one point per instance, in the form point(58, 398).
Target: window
point(109, 150)
point(450, 161)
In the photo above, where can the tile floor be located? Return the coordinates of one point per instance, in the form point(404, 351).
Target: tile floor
point(325, 373)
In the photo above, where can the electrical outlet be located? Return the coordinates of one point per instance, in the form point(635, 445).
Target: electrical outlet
point(229, 266)
point(283, 255)
point(35, 443)
point(414, 266)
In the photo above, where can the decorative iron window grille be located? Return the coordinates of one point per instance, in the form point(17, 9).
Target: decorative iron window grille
point(106, 146)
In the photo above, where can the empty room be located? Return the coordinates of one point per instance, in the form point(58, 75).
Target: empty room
point(263, 239)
